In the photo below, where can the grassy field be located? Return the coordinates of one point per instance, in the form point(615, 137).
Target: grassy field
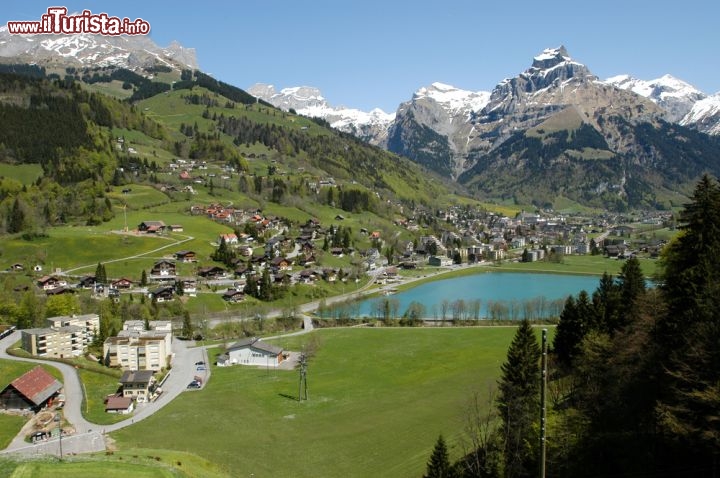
point(135, 463)
point(378, 398)
point(24, 173)
point(97, 387)
point(10, 425)
point(585, 264)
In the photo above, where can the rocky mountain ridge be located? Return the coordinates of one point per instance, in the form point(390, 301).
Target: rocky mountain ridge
point(125, 51)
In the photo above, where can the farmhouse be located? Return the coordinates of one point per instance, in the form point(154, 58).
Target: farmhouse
point(252, 351)
point(151, 227)
point(31, 391)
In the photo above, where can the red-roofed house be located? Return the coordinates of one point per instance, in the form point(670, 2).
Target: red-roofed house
point(31, 391)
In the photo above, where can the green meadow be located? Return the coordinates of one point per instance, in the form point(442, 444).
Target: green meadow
point(134, 463)
point(24, 173)
point(378, 399)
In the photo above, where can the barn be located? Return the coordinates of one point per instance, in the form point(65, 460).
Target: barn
point(31, 391)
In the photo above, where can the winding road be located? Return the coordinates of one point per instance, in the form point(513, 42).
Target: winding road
point(90, 437)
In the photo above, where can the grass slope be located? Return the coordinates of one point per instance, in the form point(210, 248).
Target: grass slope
point(378, 400)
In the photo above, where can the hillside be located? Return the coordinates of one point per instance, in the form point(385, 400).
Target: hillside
point(200, 119)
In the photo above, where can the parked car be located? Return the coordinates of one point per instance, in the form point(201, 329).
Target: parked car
point(193, 384)
point(200, 363)
point(201, 368)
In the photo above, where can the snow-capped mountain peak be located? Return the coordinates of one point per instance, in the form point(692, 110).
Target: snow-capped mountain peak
point(85, 49)
point(673, 95)
point(309, 101)
point(705, 115)
point(452, 99)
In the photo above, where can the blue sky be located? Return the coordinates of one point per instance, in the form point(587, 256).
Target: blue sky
point(371, 53)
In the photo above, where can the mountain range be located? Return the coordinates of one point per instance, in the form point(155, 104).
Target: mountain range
point(556, 130)
point(553, 132)
point(131, 52)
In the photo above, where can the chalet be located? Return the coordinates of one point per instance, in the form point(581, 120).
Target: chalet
point(50, 282)
point(186, 256)
point(31, 391)
point(185, 175)
point(122, 283)
point(151, 227)
point(230, 239)
point(163, 268)
point(188, 287)
point(138, 385)
point(176, 228)
point(307, 276)
point(233, 295)
point(614, 250)
point(245, 251)
point(306, 259)
point(162, 294)
point(280, 264)
point(336, 251)
point(211, 272)
point(241, 271)
point(87, 282)
point(330, 275)
point(252, 351)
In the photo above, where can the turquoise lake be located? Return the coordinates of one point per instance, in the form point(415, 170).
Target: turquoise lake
point(503, 295)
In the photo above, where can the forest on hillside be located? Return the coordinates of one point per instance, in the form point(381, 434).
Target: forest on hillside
point(633, 387)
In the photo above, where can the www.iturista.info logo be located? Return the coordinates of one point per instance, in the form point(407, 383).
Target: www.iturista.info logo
point(57, 21)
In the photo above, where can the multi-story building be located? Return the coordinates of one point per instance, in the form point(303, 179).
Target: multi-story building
point(64, 337)
point(135, 348)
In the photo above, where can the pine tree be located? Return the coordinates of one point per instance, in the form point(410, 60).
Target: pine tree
point(439, 465)
point(187, 328)
point(606, 302)
point(519, 402)
point(143, 279)
point(16, 220)
point(632, 287)
point(689, 332)
point(568, 334)
point(100, 274)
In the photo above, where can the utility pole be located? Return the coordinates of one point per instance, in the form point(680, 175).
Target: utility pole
point(303, 378)
point(543, 389)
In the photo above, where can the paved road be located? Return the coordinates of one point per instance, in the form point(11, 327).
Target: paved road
point(89, 437)
point(86, 434)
